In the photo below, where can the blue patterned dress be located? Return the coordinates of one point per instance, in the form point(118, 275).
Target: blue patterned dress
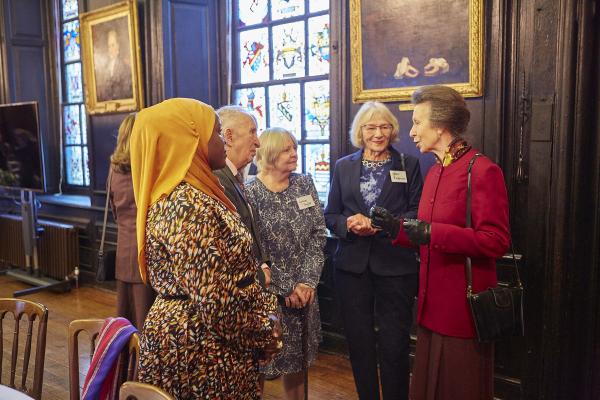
point(293, 239)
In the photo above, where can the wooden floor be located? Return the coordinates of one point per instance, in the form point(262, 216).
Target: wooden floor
point(330, 378)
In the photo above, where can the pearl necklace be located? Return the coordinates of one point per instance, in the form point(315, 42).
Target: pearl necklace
point(375, 164)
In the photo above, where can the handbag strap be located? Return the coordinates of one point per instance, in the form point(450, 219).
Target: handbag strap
point(468, 266)
point(101, 249)
point(468, 271)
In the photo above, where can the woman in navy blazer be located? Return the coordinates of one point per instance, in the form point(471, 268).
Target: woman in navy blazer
point(376, 282)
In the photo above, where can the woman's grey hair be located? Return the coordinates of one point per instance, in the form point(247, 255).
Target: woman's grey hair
point(272, 142)
point(448, 107)
point(372, 110)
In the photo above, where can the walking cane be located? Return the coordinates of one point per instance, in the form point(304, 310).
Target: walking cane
point(305, 348)
point(304, 311)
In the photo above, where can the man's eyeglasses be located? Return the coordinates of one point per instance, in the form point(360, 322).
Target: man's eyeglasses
point(372, 128)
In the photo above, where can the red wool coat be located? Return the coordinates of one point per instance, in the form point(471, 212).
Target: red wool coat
point(442, 301)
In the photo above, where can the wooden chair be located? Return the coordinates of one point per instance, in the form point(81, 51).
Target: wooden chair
point(128, 360)
point(142, 391)
point(18, 308)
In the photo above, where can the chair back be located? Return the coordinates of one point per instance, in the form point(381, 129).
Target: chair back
point(34, 311)
point(142, 391)
point(128, 359)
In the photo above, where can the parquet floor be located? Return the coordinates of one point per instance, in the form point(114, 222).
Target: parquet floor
point(330, 378)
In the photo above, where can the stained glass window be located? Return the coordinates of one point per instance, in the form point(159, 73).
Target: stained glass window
point(316, 109)
point(74, 122)
point(254, 55)
point(253, 99)
point(72, 125)
point(282, 75)
point(286, 8)
point(70, 9)
point(74, 165)
point(318, 45)
point(317, 165)
point(284, 108)
point(73, 83)
point(71, 41)
point(252, 12)
point(288, 50)
point(318, 5)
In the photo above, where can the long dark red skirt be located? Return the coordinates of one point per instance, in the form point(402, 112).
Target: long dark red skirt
point(450, 368)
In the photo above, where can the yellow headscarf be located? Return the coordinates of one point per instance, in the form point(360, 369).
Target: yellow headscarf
point(169, 144)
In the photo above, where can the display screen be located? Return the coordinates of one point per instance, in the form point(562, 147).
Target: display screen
point(21, 165)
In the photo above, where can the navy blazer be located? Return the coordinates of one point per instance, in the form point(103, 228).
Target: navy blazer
point(235, 193)
point(354, 253)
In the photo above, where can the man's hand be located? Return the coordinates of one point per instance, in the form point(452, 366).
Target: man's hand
point(384, 220)
point(418, 232)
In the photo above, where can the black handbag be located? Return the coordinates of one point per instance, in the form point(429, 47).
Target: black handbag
point(106, 261)
point(497, 312)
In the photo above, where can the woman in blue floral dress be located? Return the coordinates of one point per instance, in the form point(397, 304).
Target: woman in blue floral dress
point(292, 232)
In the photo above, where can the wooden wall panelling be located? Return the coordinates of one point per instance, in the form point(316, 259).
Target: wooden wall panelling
point(574, 254)
point(190, 40)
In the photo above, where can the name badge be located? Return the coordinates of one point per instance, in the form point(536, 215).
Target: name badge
point(305, 202)
point(398, 176)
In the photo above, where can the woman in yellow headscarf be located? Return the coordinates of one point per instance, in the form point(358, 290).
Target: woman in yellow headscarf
point(211, 323)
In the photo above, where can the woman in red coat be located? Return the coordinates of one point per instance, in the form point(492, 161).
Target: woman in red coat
point(450, 362)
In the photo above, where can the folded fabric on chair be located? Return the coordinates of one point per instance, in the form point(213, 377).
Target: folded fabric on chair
point(112, 339)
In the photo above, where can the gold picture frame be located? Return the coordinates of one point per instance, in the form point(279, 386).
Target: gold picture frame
point(111, 59)
point(386, 37)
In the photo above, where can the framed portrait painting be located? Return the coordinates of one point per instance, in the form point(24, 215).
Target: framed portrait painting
point(111, 59)
point(397, 46)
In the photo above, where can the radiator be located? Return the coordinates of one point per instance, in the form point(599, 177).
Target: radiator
point(58, 246)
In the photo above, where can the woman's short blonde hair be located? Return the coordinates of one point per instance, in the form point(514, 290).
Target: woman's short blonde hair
point(372, 110)
point(120, 158)
point(272, 141)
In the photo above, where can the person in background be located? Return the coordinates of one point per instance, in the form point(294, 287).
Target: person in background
point(211, 323)
point(292, 234)
point(450, 363)
point(238, 129)
point(375, 281)
point(134, 297)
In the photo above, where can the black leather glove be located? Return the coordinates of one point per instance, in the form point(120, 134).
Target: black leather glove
point(418, 232)
point(384, 220)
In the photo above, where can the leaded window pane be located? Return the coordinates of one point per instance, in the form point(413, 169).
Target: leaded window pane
point(317, 165)
point(71, 41)
point(253, 99)
point(288, 50)
point(252, 12)
point(83, 125)
point(72, 126)
point(74, 165)
point(286, 8)
point(316, 107)
point(86, 166)
point(284, 107)
point(318, 45)
point(299, 154)
point(318, 5)
point(74, 85)
point(254, 55)
point(70, 9)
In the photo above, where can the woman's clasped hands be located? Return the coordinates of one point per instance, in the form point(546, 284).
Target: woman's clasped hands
point(360, 225)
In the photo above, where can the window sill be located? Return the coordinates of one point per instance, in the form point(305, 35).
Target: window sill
point(66, 200)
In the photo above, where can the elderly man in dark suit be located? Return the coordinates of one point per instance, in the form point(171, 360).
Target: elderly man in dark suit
point(238, 128)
